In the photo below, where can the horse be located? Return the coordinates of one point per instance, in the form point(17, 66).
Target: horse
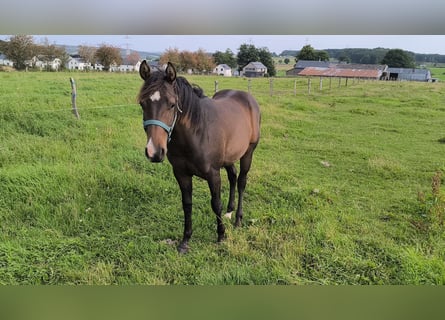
point(199, 136)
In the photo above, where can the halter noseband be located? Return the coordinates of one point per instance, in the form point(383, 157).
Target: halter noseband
point(168, 129)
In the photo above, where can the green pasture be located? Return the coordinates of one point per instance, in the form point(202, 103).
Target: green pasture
point(345, 187)
point(438, 73)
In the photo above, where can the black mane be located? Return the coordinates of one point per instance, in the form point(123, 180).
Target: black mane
point(189, 96)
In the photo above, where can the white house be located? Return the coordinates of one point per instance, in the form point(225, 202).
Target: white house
point(5, 61)
point(223, 70)
point(75, 62)
point(39, 62)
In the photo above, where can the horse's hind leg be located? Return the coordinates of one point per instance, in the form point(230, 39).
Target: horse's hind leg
point(231, 175)
point(245, 163)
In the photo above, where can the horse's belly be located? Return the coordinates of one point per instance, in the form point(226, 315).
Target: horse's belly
point(235, 151)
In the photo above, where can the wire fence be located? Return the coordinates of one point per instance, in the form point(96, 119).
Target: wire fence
point(256, 86)
point(287, 86)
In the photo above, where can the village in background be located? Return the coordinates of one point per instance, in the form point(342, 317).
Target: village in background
point(249, 61)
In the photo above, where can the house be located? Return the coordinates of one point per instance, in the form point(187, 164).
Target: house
point(223, 70)
point(254, 69)
point(302, 64)
point(409, 74)
point(41, 62)
point(75, 62)
point(5, 61)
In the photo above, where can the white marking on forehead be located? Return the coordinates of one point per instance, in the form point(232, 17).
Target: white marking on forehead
point(155, 96)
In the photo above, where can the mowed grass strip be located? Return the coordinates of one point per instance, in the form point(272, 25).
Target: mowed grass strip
point(340, 190)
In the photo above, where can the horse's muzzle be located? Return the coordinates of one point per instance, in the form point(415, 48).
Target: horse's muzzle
point(157, 156)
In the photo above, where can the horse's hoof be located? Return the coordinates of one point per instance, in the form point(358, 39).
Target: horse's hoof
point(183, 248)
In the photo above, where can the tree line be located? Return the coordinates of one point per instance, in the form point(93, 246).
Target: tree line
point(202, 62)
point(20, 49)
point(395, 58)
point(369, 56)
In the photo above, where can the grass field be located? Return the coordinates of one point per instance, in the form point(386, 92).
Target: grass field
point(344, 188)
point(438, 73)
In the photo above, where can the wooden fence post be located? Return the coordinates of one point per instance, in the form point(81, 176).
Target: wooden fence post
point(309, 85)
point(330, 83)
point(321, 83)
point(271, 86)
point(249, 84)
point(73, 98)
point(295, 87)
point(339, 82)
point(346, 84)
point(216, 86)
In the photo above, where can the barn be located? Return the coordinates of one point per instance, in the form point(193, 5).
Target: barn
point(409, 74)
point(302, 64)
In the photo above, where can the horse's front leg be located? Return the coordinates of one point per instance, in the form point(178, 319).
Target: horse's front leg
point(214, 181)
point(185, 184)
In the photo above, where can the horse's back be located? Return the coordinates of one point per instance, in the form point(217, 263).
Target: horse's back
point(235, 100)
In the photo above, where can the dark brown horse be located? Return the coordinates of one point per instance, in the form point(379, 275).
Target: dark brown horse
point(199, 135)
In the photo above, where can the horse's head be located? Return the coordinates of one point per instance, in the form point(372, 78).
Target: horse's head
point(158, 99)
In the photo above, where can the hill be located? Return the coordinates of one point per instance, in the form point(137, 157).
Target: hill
point(144, 54)
point(371, 56)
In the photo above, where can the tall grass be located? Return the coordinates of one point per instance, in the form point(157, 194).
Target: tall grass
point(332, 197)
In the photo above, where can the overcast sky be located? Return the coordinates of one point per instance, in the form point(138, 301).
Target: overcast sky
point(275, 43)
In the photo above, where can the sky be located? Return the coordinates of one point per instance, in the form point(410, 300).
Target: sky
point(431, 44)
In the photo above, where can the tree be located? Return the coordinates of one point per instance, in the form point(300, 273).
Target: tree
point(321, 55)
point(397, 58)
point(246, 53)
point(47, 53)
point(309, 53)
point(286, 60)
point(249, 53)
point(205, 62)
point(87, 53)
point(226, 57)
point(19, 49)
point(306, 53)
point(133, 57)
point(266, 58)
point(188, 60)
point(171, 55)
point(108, 55)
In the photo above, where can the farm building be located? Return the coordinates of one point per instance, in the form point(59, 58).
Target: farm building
point(223, 70)
point(254, 69)
point(302, 64)
point(409, 74)
point(363, 71)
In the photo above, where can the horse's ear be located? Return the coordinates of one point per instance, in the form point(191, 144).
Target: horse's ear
point(144, 70)
point(170, 72)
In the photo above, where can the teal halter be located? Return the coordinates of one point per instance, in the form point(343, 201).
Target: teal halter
point(168, 129)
